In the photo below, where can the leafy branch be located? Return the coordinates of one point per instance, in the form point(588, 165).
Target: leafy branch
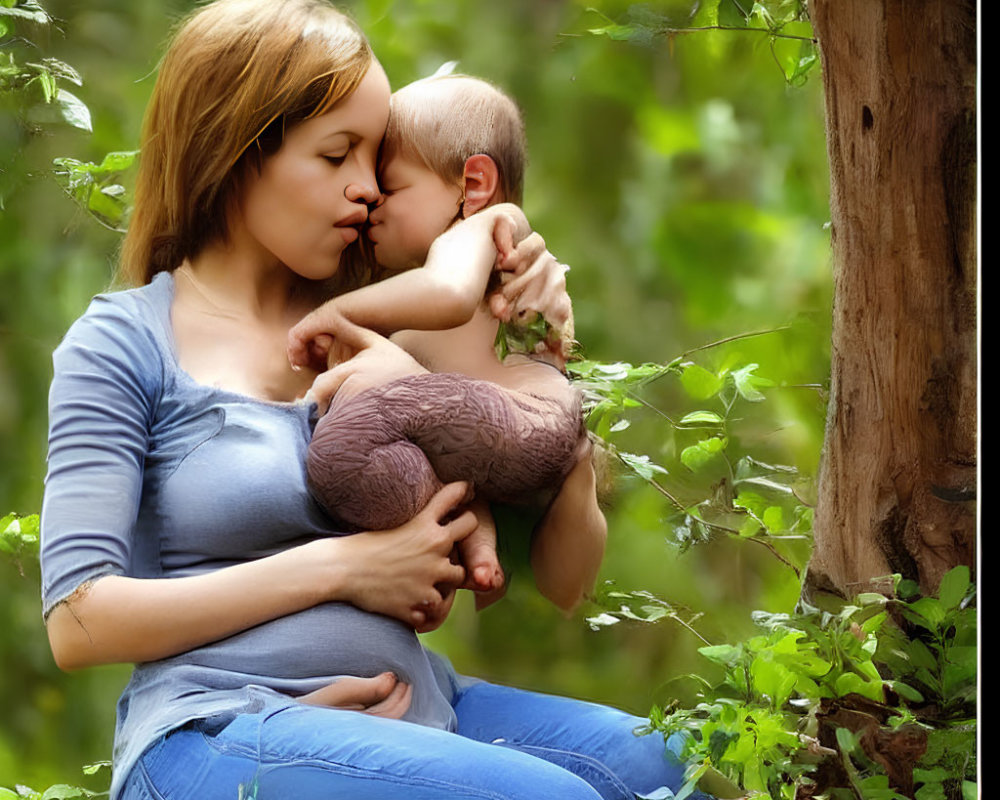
point(844, 703)
point(785, 24)
point(19, 538)
point(754, 500)
point(32, 89)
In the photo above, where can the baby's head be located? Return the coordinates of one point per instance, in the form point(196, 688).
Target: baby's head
point(454, 146)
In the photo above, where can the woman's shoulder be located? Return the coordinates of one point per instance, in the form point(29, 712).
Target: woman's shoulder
point(129, 326)
point(141, 310)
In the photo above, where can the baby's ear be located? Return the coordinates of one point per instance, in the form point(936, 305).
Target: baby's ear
point(480, 182)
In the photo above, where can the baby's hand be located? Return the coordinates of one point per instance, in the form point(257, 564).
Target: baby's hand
point(533, 282)
point(510, 228)
point(311, 341)
point(361, 357)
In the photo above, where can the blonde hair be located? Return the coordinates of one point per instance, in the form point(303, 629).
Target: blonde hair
point(444, 120)
point(237, 74)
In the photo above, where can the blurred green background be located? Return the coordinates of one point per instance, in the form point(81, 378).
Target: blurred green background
point(683, 179)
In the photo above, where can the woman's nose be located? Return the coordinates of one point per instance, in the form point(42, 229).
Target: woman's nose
point(362, 192)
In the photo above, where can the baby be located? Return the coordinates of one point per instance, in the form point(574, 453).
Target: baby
point(454, 148)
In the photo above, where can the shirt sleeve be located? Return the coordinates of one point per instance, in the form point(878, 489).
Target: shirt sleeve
point(108, 372)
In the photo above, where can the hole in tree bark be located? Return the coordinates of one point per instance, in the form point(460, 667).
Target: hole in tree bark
point(867, 120)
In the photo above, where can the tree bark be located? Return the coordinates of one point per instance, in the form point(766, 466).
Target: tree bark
point(898, 479)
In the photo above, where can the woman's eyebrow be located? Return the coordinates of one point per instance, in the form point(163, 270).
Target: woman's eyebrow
point(349, 135)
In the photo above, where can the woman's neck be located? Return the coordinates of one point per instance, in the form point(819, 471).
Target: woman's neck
point(235, 284)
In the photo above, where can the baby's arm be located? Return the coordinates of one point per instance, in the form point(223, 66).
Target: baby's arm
point(443, 294)
point(568, 544)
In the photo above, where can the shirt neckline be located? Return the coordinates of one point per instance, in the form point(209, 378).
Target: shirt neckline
point(163, 284)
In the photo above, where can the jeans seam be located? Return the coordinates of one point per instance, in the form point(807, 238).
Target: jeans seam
point(272, 760)
point(148, 784)
point(351, 770)
point(590, 761)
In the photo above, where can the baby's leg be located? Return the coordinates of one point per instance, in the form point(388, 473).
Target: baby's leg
point(509, 444)
point(363, 470)
point(383, 453)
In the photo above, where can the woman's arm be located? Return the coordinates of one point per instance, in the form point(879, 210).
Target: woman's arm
point(105, 391)
point(121, 619)
point(568, 544)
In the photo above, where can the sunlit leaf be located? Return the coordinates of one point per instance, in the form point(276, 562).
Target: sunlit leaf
point(700, 383)
point(73, 110)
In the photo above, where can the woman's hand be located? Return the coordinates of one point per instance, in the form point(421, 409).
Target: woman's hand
point(408, 572)
point(384, 695)
point(532, 281)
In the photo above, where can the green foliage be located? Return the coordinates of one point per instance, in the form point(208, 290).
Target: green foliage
point(521, 335)
point(32, 89)
point(95, 186)
point(845, 703)
point(784, 24)
point(59, 791)
point(19, 536)
point(726, 489)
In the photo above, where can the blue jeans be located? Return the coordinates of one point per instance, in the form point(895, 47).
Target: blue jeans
point(510, 745)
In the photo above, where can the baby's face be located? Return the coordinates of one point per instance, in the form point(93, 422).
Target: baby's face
point(415, 208)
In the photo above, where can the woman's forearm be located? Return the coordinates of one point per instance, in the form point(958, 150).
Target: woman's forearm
point(121, 619)
point(118, 619)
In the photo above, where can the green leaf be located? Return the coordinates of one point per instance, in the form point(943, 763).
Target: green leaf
point(954, 585)
point(850, 682)
point(118, 160)
point(620, 33)
point(602, 620)
point(29, 11)
point(698, 455)
point(748, 385)
point(63, 791)
point(926, 612)
point(846, 741)
point(706, 13)
point(731, 14)
point(642, 466)
point(906, 691)
point(725, 654)
point(700, 383)
point(774, 518)
point(773, 680)
point(701, 417)
point(930, 791)
point(73, 110)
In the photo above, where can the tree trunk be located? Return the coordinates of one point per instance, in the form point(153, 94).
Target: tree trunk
point(898, 481)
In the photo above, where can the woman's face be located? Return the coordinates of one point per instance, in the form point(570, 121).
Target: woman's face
point(310, 198)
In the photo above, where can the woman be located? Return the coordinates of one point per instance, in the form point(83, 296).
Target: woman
point(178, 532)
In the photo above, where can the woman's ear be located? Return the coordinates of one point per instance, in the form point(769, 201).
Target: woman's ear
point(481, 182)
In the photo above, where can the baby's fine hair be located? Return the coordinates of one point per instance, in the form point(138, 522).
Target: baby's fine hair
point(446, 119)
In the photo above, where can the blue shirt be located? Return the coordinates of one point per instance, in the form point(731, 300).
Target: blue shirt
point(154, 475)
